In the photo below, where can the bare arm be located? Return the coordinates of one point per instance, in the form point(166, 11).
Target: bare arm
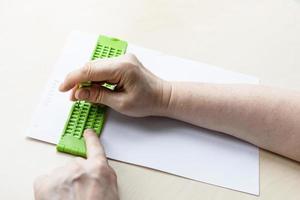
point(264, 116)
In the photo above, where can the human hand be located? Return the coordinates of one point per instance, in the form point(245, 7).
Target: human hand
point(138, 93)
point(87, 179)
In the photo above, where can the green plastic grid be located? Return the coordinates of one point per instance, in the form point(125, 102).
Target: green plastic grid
point(85, 115)
point(107, 48)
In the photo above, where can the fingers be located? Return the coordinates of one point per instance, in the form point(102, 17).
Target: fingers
point(97, 94)
point(98, 70)
point(94, 148)
point(72, 96)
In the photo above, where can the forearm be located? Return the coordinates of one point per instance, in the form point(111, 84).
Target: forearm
point(266, 117)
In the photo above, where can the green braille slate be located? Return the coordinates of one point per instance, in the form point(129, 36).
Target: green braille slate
point(85, 115)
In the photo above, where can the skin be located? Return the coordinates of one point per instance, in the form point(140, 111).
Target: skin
point(264, 116)
point(90, 179)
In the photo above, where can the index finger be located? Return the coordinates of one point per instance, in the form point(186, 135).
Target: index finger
point(98, 70)
point(93, 145)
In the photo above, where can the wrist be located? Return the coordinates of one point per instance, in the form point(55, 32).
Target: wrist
point(165, 98)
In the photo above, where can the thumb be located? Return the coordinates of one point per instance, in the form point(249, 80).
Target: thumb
point(97, 95)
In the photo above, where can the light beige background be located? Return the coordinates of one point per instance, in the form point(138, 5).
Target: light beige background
point(257, 37)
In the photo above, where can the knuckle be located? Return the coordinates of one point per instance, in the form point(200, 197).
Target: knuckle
point(99, 96)
point(100, 164)
point(101, 169)
point(108, 174)
point(104, 170)
point(126, 65)
point(77, 165)
point(87, 70)
point(95, 164)
point(129, 61)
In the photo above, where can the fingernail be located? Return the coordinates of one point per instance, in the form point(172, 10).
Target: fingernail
point(83, 94)
point(88, 131)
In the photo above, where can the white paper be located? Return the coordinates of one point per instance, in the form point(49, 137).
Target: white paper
point(159, 143)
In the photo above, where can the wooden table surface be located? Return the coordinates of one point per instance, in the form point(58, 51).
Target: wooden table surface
point(258, 37)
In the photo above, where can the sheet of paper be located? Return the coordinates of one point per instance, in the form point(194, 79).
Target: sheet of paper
point(159, 143)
